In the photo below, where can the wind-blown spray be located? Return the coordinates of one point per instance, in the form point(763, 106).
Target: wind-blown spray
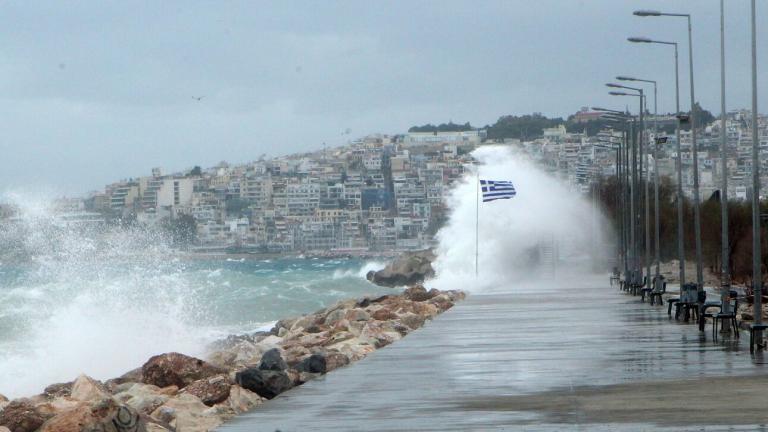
point(93, 299)
point(514, 234)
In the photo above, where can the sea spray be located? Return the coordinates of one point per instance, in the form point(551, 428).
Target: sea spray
point(514, 234)
point(101, 299)
point(362, 272)
point(91, 298)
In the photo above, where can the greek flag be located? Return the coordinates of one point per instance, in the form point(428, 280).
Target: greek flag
point(497, 189)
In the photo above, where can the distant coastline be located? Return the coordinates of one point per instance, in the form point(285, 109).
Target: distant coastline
point(209, 254)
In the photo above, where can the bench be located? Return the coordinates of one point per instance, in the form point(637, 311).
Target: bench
point(730, 316)
point(615, 277)
point(752, 342)
point(660, 288)
point(689, 302)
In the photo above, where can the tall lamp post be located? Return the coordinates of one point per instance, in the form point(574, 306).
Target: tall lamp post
point(610, 145)
point(679, 160)
point(694, 147)
point(657, 236)
point(725, 269)
point(757, 276)
point(621, 119)
point(640, 139)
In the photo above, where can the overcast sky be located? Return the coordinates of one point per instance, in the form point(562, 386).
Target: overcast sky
point(92, 92)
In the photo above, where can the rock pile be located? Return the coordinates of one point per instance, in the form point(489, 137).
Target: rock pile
point(175, 392)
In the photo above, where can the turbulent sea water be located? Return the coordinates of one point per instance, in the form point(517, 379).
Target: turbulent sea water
point(103, 311)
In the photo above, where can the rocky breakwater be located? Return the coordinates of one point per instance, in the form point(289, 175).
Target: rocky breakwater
point(408, 269)
point(175, 392)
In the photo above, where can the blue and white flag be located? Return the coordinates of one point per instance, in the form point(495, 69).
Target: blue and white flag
point(497, 189)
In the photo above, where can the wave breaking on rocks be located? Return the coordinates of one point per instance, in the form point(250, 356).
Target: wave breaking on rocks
point(176, 392)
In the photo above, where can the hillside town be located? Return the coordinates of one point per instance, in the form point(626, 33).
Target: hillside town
point(383, 192)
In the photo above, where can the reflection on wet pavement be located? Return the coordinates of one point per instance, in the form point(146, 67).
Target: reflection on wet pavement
point(525, 342)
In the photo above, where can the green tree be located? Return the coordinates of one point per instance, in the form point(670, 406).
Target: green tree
point(443, 127)
point(703, 117)
point(525, 126)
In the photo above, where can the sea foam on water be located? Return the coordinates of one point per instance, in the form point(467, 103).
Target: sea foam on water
point(517, 235)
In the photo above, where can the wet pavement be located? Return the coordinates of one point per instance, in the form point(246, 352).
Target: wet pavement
point(455, 373)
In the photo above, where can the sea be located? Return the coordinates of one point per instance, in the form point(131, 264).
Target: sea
point(104, 312)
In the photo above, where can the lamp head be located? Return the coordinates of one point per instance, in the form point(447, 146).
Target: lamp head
point(612, 85)
point(646, 13)
point(639, 39)
point(616, 93)
point(625, 78)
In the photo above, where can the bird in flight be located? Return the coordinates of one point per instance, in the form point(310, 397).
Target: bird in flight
point(198, 98)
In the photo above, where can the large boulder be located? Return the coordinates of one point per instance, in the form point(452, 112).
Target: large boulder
point(381, 333)
point(144, 398)
point(58, 390)
point(265, 383)
point(418, 293)
point(21, 416)
point(241, 400)
point(273, 360)
point(106, 415)
point(335, 360)
point(130, 377)
point(210, 390)
point(410, 268)
point(187, 413)
point(412, 320)
point(312, 364)
point(384, 314)
point(86, 389)
point(177, 369)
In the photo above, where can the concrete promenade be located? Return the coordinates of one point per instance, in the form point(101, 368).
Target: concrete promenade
point(565, 357)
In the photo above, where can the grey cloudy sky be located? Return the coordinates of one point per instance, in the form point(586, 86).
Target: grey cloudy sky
point(92, 92)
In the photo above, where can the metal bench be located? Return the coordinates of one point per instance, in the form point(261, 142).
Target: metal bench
point(689, 303)
point(730, 316)
point(615, 277)
point(659, 289)
point(704, 312)
point(638, 286)
point(672, 301)
point(752, 342)
point(650, 289)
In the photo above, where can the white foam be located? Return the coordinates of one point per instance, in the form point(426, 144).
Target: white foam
point(362, 272)
point(95, 301)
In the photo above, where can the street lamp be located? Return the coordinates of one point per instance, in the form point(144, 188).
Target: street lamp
point(725, 272)
point(679, 161)
point(621, 113)
point(694, 147)
point(635, 190)
point(644, 219)
point(655, 187)
point(757, 277)
point(610, 145)
point(621, 118)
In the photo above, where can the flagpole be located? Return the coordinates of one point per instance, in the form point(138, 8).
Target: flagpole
point(477, 219)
